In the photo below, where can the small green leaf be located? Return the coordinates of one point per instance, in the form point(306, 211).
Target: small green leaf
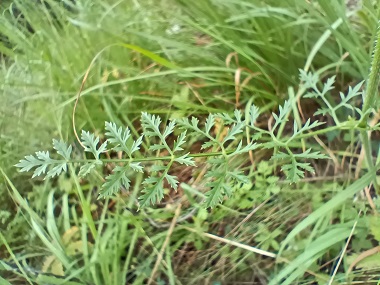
point(293, 171)
point(283, 111)
point(85, 169)
point(136, 144)
point(329, 85)
point(184, 159)
point(238, 176)
point(90, 143)
point(157, 147)
point(157, 168)
point(309, 79)
point(311, 155)
point(172, 180)
point(179, 142)
point(231, 134)
point(28, 163)
point(62, 149)
point(245, 149)
point(43, 162)
point(115, 181)
point(169, 129)
point(207, 144)
point(254, 113)
point(237, 114)
point(118, 137)
point(216, 193)
point(151, 124)
point(45, 159)
point(226, 118)
point(153, 191)
point(210, 122)
point(136, 166)
point(57, 170)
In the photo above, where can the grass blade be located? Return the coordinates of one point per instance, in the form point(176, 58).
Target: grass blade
point(338, 200)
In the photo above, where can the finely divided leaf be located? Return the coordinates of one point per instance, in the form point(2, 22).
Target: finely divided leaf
point(90, 143)
point(45, 159)
point(254, 113)
point(62, 149)
point(216, 193)
point(185, 159)
point(329, 85)
point(179, 142)
point(151, 124)
point(153, 192)
point(86, 168)
point(231, 134)
point(245, 149)
point(210, 122)
point(221, 183)
point(57, 170)
point(136, 166)
point(115, 181)
point(136, 144)
point(157, 147)
point(207, 144)
point(172, 180)
point(118, 137)
point(28, 163)
point(42, 162)
point(307, 126)
point(227, 119)
point(311, 155)
point(295, 170)
point(169, 129)
point(237, 114)
point(309, 79)
point(293, 173)
point(238, 176)
point(283, 111)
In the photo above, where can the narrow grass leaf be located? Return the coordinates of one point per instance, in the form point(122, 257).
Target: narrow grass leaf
point(326, 208)
point(321, 244)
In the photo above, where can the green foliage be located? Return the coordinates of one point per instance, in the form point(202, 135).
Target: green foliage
point(251, 193)
point(295, 169)
point(43, 164)
point(271, 40)
point(375, 227)
point(220, 179)
point(310, 81)
point(90, 144)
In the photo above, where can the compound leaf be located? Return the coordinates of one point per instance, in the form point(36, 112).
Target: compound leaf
point(115, 181)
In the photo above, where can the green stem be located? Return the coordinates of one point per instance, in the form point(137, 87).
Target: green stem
point(370, 98)
point(368, 150)
point(368, 156)
point(373, 78)
point(342, 126)
point(147, 159)
point(85, 206)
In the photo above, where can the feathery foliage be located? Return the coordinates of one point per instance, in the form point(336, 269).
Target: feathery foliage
point(220, 179)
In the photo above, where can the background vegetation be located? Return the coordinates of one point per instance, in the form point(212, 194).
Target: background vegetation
point(231, 54)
